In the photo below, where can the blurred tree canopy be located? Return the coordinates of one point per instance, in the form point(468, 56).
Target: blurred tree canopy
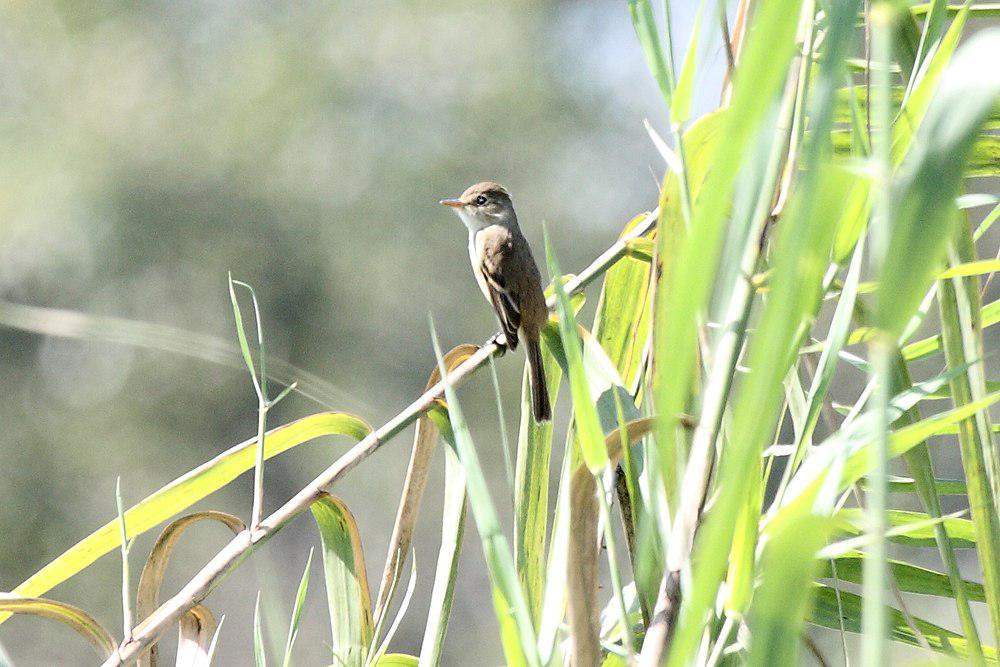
point(148, 148)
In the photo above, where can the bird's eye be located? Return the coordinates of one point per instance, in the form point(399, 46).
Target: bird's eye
point(481, 200)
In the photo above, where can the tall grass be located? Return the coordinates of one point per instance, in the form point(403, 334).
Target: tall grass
point(746, 396)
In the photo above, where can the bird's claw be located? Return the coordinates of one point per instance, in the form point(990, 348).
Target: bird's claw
point(499, 340)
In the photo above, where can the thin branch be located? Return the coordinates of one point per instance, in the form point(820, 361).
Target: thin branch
point(241, 546)
point(127, 617)
point(258, 468)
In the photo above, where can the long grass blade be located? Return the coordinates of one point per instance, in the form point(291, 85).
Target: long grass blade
point(833, 608)
point(510, 599)
point(425, 439)
point(296, 618)
point(452, 531)
point(346, 578)
point(186, 490)
point(531, 486)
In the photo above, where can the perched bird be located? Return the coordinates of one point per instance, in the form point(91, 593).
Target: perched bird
point(508, 276)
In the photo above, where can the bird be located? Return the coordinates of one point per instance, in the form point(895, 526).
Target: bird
point(508, 277)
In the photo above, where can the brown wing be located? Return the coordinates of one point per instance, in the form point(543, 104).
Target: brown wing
point(500, 290)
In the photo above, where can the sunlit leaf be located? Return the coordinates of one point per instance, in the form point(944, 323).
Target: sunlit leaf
point(186, 490)
point(347, 593)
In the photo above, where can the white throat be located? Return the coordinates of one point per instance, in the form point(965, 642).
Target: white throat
point(474, 223)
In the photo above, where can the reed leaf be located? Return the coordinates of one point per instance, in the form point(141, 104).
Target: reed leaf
point(345, 574)
point(186, 490)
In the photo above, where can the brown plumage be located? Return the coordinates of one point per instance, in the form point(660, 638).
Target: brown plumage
point(508, 277)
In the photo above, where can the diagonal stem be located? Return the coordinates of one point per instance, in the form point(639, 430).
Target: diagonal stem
point(241, 546)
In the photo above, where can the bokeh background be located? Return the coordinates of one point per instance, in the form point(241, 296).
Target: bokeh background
point(148, 148)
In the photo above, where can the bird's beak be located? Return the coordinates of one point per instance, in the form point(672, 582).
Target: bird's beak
point(454, 203)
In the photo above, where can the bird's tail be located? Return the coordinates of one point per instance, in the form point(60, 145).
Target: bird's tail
point(540, 407)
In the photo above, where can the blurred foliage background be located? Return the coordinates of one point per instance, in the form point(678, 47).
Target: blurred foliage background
point(147, 148)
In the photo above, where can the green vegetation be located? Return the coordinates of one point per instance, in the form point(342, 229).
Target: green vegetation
point(722, 489)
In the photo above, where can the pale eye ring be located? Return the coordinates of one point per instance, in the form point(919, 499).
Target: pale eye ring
point(481, 200)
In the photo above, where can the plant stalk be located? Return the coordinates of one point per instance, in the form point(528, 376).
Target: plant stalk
point(243, 545)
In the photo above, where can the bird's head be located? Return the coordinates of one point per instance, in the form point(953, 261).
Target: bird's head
point(482, 205)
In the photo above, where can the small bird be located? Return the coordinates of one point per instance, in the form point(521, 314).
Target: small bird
point(508, 276)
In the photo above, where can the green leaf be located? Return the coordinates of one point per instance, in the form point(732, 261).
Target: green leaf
point(963, 345)
point(923, 92)
point(241, 333)
point(622, 320)
point(787, 568)
point(259, 652)
point(910, 578)
point(980, 10)
point(827, 364)
point(943, 486)
point(531, 484)
point(976, 268)
point(989, 315)
point(397, 660)
point(186, 490)
point(982, 160)
point(853, 446)
point(924, 200)
point(452, 531)
point(296, 619)
point(914, 529)
point(346, 577)
point(588, 426)
point(918, 461)
point(689, 268)
point(652, 49)
point(836, 609)
point(517, 632)
point(680, 105)
point(688, 278)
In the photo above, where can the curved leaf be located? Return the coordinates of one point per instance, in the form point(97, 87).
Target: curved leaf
point(186, 490)
point(583, 562)
point(931, 175)
point(425, 439)
point(198, 631)
point(346, 580)
point(148, 592)
point(67, 614)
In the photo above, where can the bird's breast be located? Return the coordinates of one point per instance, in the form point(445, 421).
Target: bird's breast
point(475, 258)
